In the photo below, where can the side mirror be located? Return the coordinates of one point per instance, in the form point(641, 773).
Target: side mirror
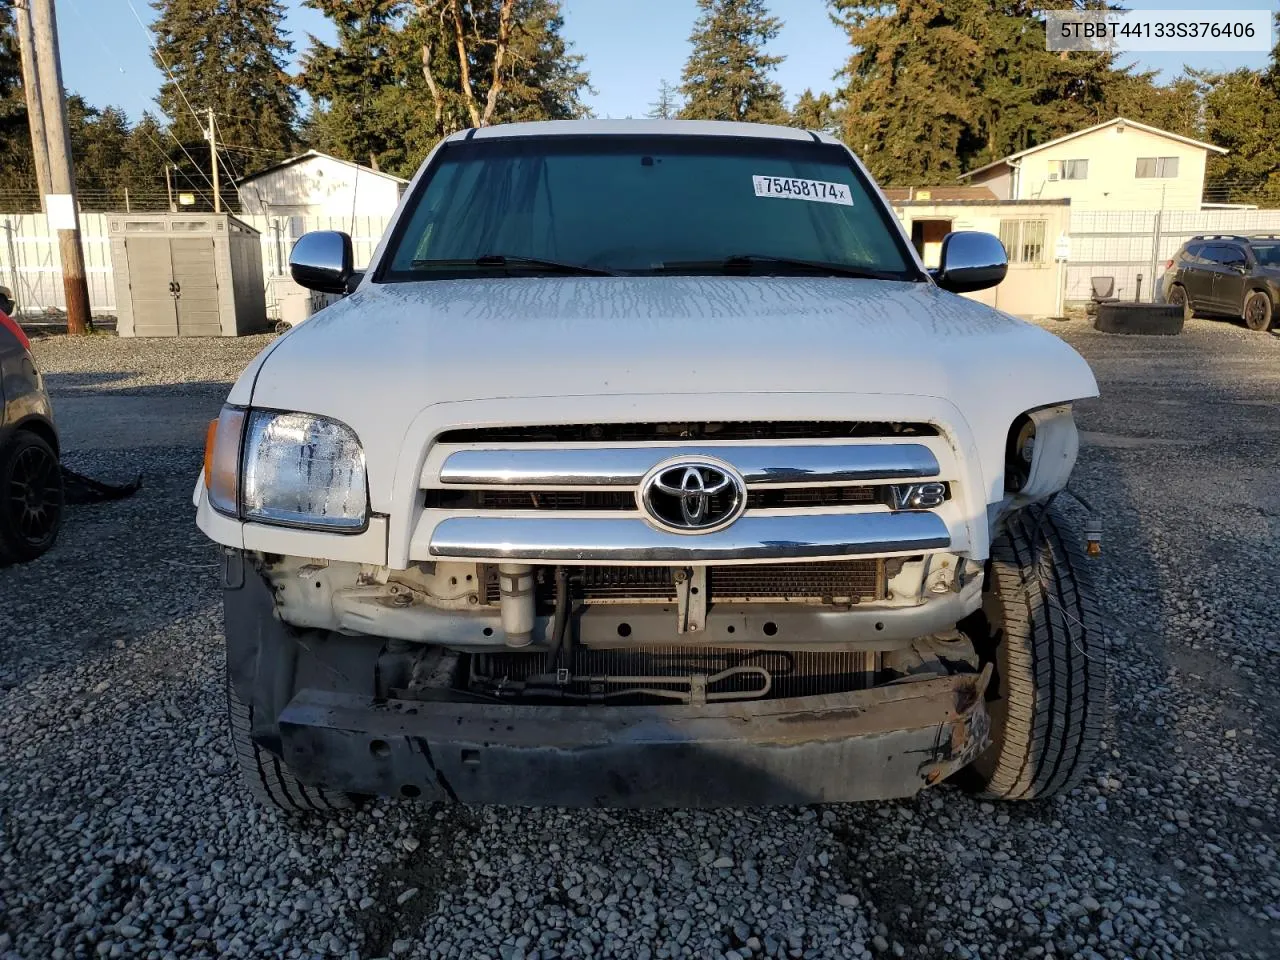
point(322, 261)
point(970, 261)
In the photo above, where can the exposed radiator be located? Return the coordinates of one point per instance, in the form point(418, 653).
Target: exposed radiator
point(834, 582)
point(793, 674)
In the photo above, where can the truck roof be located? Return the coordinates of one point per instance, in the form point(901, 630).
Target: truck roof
point(694, 128)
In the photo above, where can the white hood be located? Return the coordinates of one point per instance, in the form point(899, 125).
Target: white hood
point(378, 358)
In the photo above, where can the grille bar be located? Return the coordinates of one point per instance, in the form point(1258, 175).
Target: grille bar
point(629, 540)
point(701, 431)
point(555, 500)
point(765, 464)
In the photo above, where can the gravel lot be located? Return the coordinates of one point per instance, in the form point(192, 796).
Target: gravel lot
point(123, 831)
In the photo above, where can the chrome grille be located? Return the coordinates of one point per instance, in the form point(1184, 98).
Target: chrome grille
point(798, 491)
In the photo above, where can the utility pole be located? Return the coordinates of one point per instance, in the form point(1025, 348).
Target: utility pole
point(168, 186)
point(62, 211)
point(31, 88)
point(213, 159)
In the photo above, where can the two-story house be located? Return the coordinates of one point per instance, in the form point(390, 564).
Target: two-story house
point(1117, 165)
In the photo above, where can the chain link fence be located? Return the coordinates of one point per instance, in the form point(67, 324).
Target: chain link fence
point(1132, 246)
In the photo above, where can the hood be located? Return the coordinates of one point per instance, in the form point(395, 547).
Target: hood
point(376, 359)
point(448, 340)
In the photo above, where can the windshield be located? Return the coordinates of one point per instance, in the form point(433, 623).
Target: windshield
point(1268, 254)
point(644, 205)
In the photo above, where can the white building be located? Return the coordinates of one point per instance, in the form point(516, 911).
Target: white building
point(315, 184)
point(1117, 165)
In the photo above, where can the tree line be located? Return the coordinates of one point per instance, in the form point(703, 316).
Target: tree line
point(931, 88)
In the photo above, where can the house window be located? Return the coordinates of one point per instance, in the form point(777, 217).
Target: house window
point(1162, 168)
point(1068, 169)
point(1023, 240)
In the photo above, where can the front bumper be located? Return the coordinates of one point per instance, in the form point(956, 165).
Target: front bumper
point(329, 704)
point(872, 744)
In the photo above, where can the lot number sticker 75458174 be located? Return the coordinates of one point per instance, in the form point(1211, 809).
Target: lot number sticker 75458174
point(790, 188)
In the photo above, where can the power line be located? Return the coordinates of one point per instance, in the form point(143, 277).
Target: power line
point(177, 86)
point(159, 56)
point(168, 130)
point(230, 164)
point(263, 150)
point(167, 161)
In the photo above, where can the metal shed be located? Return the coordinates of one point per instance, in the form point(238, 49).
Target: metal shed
point(186, 275)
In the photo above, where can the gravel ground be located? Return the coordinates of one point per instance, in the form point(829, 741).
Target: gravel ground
point(123, 831)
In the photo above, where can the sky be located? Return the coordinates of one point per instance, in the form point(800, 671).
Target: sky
point(629, 46)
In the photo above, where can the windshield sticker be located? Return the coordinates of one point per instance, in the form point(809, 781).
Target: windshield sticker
point(789, 188)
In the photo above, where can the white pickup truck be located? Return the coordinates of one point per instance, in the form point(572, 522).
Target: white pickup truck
point(647, 465)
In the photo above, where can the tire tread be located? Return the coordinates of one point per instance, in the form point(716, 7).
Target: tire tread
point(1053, 659)
point(268, 779)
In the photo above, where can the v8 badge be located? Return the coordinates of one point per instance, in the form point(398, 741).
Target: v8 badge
point(917, 496)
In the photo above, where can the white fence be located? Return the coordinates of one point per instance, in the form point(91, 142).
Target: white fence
point(1126, 244)
point(31, 268)
point(1122, 244)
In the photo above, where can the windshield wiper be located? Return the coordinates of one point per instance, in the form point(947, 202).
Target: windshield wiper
point(505, 260)
point(744, 262)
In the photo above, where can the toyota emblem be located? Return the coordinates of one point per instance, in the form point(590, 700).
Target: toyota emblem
point(693, 495)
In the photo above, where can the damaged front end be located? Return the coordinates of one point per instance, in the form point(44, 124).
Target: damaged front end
point(611, 686)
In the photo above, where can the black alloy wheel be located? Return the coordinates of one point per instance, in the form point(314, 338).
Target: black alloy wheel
point(31, 498)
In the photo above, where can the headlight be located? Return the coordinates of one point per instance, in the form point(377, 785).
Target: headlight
point(295, 469)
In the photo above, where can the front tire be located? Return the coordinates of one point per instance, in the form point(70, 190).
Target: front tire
point(1039, 627)
point(1258, 311)
point(31, 498)
point(265, 775)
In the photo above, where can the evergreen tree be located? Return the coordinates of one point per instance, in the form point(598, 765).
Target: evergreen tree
point(17, 176)
point(1273, 71)
point(98, 142)
point(727, 75)
point(936, 87)
point(1242, 113)
point(228, 55)
point(539, 79)
point(143, 163)
point(667, 106)
point(1175, 107)
point(911, 85)
point(814, 111)
point(363, 86)
point(405, 74)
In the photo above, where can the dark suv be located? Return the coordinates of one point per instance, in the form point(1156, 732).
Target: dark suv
point(1230, 276)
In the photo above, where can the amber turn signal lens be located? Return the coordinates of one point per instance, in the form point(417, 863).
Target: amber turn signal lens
point(222, 461)
point(210, 438)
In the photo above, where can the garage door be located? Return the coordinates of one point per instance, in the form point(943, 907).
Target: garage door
point(150, 277)
point(196, 277)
